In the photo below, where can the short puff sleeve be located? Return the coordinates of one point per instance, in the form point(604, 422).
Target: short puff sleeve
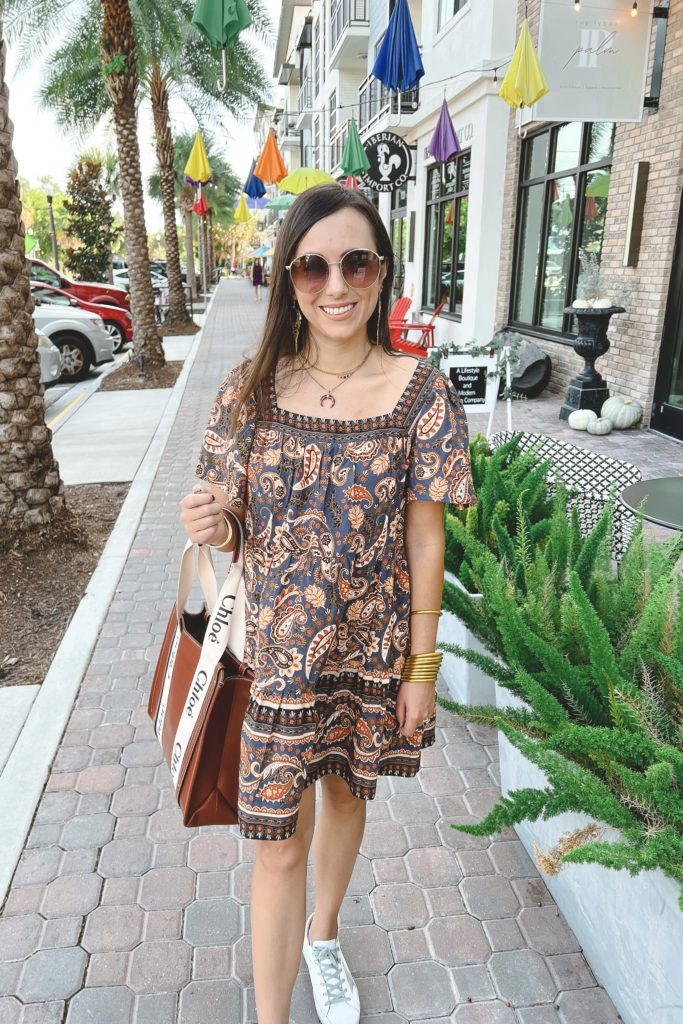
point(439, 466)
point(223, 458)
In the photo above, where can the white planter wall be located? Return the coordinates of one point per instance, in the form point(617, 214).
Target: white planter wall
point(466, 683)
point(630, 927)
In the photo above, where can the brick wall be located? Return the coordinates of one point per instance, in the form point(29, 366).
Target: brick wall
point(631, 364)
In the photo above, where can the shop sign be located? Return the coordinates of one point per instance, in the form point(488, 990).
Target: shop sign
point(390, 162)
point(474, 378)
point(595, 61)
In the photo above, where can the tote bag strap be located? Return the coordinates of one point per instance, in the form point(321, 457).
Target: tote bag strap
point(215, 643)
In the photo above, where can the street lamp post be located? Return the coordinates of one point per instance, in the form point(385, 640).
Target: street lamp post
point(53, 229)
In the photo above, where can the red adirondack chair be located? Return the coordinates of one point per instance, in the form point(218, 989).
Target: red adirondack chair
point(418, 346)
point(397, 317)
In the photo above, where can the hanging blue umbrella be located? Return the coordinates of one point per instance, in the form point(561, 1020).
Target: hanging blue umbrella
point(398, 64)
point(253, 186)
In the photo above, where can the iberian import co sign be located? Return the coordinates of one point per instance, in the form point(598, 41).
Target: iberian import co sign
point(390, 162)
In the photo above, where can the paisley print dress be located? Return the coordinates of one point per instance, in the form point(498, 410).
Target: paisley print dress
point(327, 584)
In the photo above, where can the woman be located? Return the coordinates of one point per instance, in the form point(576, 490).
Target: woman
point(257, 278)
point(337, 454)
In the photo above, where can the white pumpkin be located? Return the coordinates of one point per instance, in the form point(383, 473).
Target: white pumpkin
point(600, 425)
point(580, 418)
point(602, 304)
point(582, 304)
point(622, 411)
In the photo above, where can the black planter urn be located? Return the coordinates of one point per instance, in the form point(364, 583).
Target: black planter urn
point(588, 390)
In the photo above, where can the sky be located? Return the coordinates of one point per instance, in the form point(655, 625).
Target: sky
point(44, 150)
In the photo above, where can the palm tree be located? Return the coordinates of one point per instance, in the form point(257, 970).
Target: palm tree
point(173, 60)
point(119, 64)
point(31, 492)
point(220, 194)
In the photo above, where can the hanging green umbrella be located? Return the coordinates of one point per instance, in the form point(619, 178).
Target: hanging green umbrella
point(221, 21)
point(280, 202)
point(354, 161)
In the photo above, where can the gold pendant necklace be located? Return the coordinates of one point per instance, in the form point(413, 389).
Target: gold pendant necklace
point(327, 398)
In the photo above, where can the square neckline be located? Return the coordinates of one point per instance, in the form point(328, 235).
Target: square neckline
point(345, 425)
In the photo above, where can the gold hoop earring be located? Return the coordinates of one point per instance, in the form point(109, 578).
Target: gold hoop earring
point(296, 328)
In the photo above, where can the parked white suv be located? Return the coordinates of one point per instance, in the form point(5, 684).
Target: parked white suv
point(80, 336)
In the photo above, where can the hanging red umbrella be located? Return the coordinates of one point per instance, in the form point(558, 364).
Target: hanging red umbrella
point(200, 206)
point(351, 182)
point(590, 209)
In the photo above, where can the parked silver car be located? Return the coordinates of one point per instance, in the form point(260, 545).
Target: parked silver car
point(50, 359)
point(80, 336)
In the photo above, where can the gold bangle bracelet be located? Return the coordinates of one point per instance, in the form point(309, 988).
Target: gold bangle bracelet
point(428, 660)
point(427, 611)
point(221, 546)
point(430, 682)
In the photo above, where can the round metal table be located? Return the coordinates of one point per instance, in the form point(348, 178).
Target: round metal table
point(663, 499)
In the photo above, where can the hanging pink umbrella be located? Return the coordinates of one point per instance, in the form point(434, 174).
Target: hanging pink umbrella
point(444, 143)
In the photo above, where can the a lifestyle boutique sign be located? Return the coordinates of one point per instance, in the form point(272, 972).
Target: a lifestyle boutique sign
point(594, 59)
point(390, 162)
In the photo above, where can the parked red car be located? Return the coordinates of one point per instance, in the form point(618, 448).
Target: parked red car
point(91, 291)
point(117, 322)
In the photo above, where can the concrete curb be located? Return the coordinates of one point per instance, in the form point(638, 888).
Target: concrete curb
point(26, 771)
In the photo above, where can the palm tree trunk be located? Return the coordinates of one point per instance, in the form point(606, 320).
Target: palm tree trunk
point(186, 204)
point(178, 320)
point(31, 492)
point(211, 251)
point(121, 82)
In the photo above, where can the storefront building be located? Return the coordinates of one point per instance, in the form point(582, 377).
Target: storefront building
point(445, 222)
point(569, 189)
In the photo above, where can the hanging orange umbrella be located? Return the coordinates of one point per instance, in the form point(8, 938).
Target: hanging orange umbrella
point(270, 166)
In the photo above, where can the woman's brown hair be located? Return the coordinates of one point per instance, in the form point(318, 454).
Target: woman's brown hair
point(277, 340)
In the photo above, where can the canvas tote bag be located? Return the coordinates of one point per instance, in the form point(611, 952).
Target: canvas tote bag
point(201, 688)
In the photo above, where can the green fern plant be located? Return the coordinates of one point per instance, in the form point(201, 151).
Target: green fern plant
point(595, 652)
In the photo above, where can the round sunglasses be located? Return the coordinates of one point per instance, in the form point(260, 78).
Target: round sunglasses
point(359, 267)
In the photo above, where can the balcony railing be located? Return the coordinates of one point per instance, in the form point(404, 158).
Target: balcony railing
point(305, 98)
point(375, 101)
point(345, 13)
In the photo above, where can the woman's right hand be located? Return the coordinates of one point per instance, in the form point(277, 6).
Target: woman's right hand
point(202, 517)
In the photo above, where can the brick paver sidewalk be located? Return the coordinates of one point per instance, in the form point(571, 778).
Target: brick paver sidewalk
point(119, 915)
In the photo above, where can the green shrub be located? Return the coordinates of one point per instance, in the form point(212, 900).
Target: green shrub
point(500, 480)
point(595, 651)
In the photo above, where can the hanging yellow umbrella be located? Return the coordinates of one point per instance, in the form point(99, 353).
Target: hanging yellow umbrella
point(305, 177)
point(197, 168)
point(270, 167)
point(242, 214)
point(524, 82)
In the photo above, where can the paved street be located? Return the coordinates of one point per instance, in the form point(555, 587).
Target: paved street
point(119, 915)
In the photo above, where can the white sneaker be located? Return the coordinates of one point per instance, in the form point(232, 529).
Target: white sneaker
point(334, 990)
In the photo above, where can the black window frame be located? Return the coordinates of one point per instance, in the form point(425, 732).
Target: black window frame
point(580, 172)
point(442, 200)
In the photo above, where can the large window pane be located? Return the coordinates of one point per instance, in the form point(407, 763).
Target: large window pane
point(432, 262)
point(558, 253)
point(537, 156)
point(601, 142)
point(447, 255)
point(568, 147)
point(456, 305)
point(595, 210)
point(531, 216)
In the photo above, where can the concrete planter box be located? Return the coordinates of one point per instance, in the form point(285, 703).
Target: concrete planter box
point(466, 683)
point(630, 927)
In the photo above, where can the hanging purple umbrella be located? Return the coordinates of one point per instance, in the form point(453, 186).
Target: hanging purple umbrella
point(444, 143)
point(253, 186)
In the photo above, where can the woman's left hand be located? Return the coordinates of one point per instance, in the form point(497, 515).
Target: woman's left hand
point(414, 704)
